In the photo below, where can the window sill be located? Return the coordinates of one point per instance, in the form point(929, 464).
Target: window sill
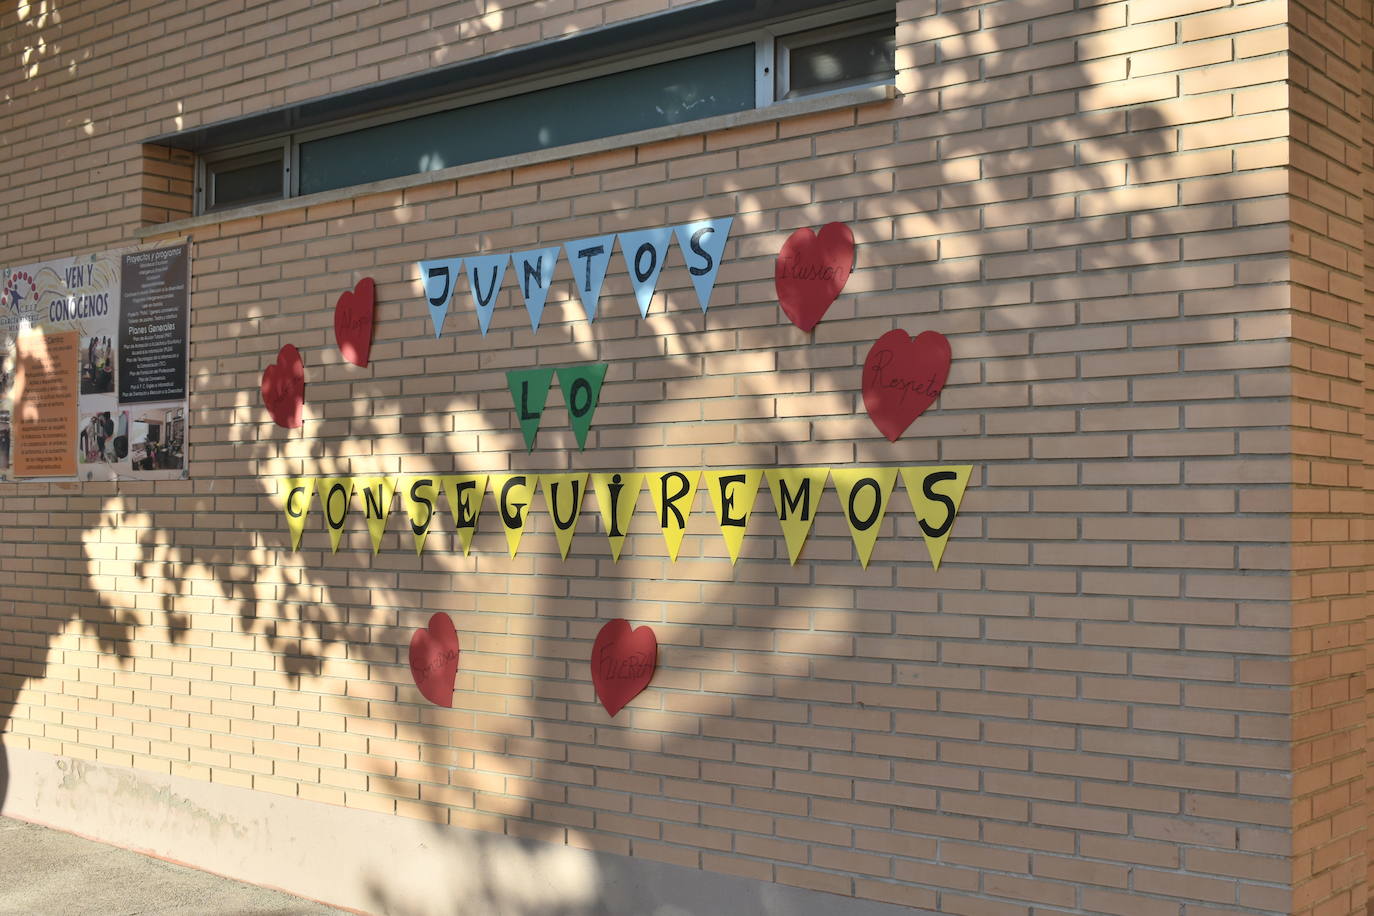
point(780, 111)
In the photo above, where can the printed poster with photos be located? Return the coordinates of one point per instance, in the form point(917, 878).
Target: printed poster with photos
point(93, 366)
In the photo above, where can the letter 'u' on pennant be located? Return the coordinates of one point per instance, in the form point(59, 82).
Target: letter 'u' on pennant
point(863, 498)
point(796, 495)
point(673, 493)
point(936, 494)
point(589, 259)
point(644, 252)
point(485, 273)
point(295, 496)
point(581, 392)
point(336, 495)
point(703, 244)
point(733, 494)
point(418, 495)
point(465, 492)
point(513, 495)
point(563, 495)
point(616, 495)
point(440, 279)
point(533, 275)
point(529, 389)
point(377, 493)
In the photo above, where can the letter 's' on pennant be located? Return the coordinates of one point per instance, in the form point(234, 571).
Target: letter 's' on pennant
point(485, 273)
point(589, 259)
point(513, 494)
point(533, 275)
point(796, 497)
point(295, 495)
point(419, 495)
point(464, 493)
point(529, 389)
point(863, 499)
point(673, 493)
point(936, 494)
point(440, 278)
point(733, 494)
point(376, 493)
point(616, 495)
point(703, 244)
point(336, 494)
point(644, 252)
point(581, 387)
point(563, 495)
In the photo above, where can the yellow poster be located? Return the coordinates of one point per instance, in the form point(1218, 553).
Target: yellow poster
point(513, 495)
point(465, 492)
point(377, 493)
point(796, 496)
point(563, 495)
point(296, 492)
point(336, 495)
point(418, 495)
point(673, 493)
point(863, 499)
point(616, 495)
point(936, 493)
point(733, 494)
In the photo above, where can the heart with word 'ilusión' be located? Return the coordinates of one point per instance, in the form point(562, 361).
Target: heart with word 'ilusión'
point(434, 659)
point(623, 662)
point(283, 388)
point(353, 315)
point(812, 270)
point(903, 375)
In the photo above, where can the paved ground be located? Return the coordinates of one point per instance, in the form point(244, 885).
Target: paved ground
point(45, 871)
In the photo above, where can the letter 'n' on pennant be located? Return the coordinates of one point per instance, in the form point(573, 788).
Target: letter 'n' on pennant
point(733, 494)
point(377, 493)
point(616, 495)
point(534, 274)
point(936, 494)
point(418, 495)
point(864, 493)
point(465, 492)
point(673, 493)
point(336, 495)
point(796, 498)
point(529, 389)
point(563, 495)
point(295, 496)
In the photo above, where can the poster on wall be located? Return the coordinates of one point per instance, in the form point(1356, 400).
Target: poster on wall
point(93, 366)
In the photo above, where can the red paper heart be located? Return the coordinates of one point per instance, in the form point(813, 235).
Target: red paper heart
point(811, 270)
point(353, 322)
point(283, 388)
point(434, 659)
point(623, 662)
point(902, 377)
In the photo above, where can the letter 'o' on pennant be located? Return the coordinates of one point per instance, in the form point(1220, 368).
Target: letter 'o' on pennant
point(295, 494)
point(440, 278)
point(703, 244)
point(673, 493)
point(377, 493)
point(589, 259)
point(563, 495)
point(864, 493)
point(418, 495)
point(485, 273)
point(796, 497)
point(336, 495)
point(581, 387)
point(533, 275)
point(936, 493)
point(732, 495)
point(529, 389)
point(616, 495)
point(513, 494)
point(464, 493)
point(644, 252)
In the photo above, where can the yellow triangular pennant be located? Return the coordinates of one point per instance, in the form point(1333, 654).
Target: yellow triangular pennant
point(377, 493)
point(563, 495)
point(863, 500)
point(336, 497)
point(513, 495)
point(465, 492)
point(733, 494)
point(935, 509)
point(616, 495)
point(673, 493)
point(295, 494)
point(796, 498)
point(418, 495)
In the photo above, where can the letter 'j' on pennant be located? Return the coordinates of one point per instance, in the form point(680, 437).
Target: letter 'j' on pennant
point(936, 494)
point(377, 493)
point(616, 495)
point(644, 252)
point(702, 244)
point(589, 259)
point(529, 389)
point(796, 496)
point(673, 493)
point(464, 493)
point(440, 279)
point(733, 494)
point(295, 495)
point(485, 273)
point(581, 387)
point(533, 275)
point(419, 495)
point(864, 493)
point(336, 494)
point(513, 494)
point(563, 495)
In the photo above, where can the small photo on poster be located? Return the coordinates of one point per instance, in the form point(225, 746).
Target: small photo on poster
point(4, 442)
point(158, 442)
point(103, 437)
point(97, 365)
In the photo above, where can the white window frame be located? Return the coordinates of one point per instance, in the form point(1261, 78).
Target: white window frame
point(799, 39)
point(208, 165)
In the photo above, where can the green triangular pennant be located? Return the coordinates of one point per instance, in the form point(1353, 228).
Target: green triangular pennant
point(581, 390)
point(529, 388)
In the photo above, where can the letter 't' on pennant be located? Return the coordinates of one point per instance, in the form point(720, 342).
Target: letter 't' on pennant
point(589, 259)
point(616, 495)
point(936, 493)
point(644, 252)
point(337, 494)
point(563, 495)
point(864, 493)
point(440, 278)
point(702, 245)
point(418, 495)
point(796, 495)
point(529, 389)
point(534, 274)
point(377, 493)
point(465, 492)
point(485, 274)
point(733, 494)
point(513, 495)
point(673, 493)
point(295, 494)
point(581, 387)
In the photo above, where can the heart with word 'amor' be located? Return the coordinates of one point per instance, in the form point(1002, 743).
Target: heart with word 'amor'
point(434, 659)
point(623, 662)
point(283, 388)
point(353, 316)
point(903, 375)
point(811, 270)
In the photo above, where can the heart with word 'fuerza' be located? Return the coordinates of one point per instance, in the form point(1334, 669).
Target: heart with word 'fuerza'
point(623, 662)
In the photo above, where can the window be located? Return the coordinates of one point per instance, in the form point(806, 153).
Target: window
point(837, 57)
point(242, 179)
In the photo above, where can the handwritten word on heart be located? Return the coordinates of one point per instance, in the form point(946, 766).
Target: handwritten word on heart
point(353, 321)
point(623, 662)
point(811, 270)
point(903, 376)
point(283, 388)
point(434, 659)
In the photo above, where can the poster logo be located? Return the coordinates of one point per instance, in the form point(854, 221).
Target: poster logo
point(19, 301)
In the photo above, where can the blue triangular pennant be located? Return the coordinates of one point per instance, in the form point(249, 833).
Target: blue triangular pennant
point(644, 252)
point(440, 278)
point(485, 273)
point(533, 274)
point(589, 259)
point(702, 243)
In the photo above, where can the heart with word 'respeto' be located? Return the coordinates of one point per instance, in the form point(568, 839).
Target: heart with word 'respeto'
point(623, 662)
point(903, 375)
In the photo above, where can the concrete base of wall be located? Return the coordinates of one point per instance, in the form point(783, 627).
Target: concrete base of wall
point(371, 862)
